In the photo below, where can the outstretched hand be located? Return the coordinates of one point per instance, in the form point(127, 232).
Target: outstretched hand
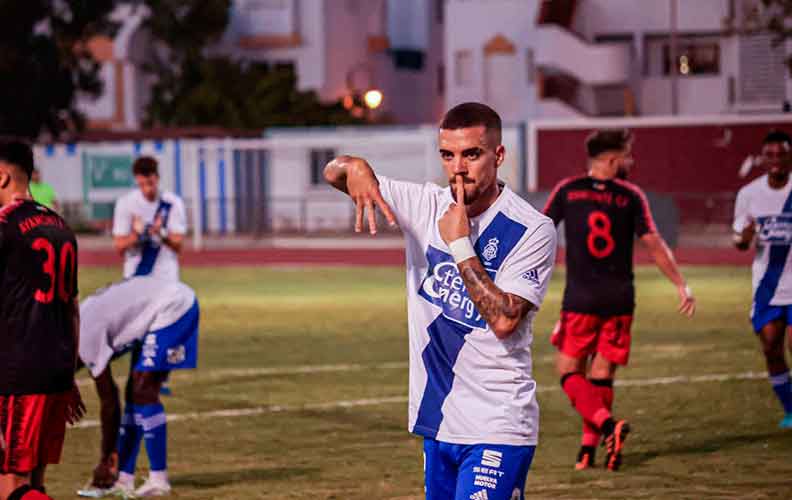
point(687, 302)
point(363, 188)
point(454, 224)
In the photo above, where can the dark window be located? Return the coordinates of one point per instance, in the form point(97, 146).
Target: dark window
point(696, 55)
point(439, 12)
point(320, 158)
point(408, 59)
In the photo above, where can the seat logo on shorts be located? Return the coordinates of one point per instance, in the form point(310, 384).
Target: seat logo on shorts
point(491, 458)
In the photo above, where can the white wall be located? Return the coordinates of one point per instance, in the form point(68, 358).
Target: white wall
point(596, 17)
point(466, 30)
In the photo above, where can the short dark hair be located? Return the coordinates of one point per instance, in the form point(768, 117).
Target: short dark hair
point(473, 114)
point(604, 140)
point(17, 152)
point(145, 166)
point(777, 136)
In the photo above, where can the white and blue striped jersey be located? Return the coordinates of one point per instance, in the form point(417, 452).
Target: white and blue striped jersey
point(153, 257)
point(120, 314)
point(771, 210)
point(466, 385)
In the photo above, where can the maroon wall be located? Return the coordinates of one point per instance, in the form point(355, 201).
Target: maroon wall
point(686, 162)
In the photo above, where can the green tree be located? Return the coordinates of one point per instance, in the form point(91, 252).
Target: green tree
point(193, 88)
point(44, 62)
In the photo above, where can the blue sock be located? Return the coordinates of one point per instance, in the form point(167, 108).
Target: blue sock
point(129, 439)
point(155, 435)
point(783, 389)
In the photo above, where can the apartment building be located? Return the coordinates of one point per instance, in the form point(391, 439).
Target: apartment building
point(567, 58)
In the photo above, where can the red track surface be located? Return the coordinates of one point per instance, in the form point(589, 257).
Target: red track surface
point(372, 257)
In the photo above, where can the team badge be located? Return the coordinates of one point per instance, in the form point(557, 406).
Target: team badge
point(491, 250)
point(177, 355)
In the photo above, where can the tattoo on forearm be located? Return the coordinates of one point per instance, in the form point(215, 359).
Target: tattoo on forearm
point(492, 303)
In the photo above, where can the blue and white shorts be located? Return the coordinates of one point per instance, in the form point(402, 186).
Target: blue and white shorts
point(174, 347)
point(475, 472)
point(761, 316)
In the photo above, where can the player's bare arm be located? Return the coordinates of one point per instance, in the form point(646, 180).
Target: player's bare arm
point(76, 409)
point(502, 311)
point(104, 475)
point(743, 239)
point(355, 177)
point(664, 259)
point(172, 240)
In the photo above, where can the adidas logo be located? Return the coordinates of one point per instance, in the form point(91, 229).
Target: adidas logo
point(491, 458)
point(481, 495)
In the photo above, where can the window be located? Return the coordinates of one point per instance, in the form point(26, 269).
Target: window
point(439, 12)
point(320, 158)
point(463, 62)
point(696, 55)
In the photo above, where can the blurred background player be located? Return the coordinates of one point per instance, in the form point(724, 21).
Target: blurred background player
point(479, 259)
point(149, 225)
point(764, 209)
point(158, 321)
point(602, 213)
point(39, 329)
point(42, 192)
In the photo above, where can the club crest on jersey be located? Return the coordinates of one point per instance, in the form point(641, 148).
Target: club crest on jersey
point(490, 251)
point(443, 287)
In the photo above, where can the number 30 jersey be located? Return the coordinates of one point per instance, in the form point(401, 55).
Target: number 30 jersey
point(601, 219)
point(38, 281)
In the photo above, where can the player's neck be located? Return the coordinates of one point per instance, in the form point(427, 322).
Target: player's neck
point(484, 202)
point(778, 181)
point(600, 173)
point(17, 193)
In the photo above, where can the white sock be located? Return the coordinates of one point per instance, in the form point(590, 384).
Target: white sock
point(126, 479)
point(159, 476)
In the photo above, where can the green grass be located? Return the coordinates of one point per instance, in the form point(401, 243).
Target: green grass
point(698, 440)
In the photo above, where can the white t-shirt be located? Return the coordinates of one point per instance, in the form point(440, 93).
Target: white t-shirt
point(771, 210)
point(155, 258)
point(466, 385)
point(124, 312)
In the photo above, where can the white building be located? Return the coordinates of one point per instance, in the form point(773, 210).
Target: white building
point(337, 47)
point(563, 58)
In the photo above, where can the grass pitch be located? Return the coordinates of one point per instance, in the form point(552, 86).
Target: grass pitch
point(286, 341)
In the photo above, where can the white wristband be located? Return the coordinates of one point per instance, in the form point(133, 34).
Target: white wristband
point(461, 249)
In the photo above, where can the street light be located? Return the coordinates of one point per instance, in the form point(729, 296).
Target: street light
point(373, 98)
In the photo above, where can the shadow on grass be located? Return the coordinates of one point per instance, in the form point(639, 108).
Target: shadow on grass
point(711, 445)
point(216, 479)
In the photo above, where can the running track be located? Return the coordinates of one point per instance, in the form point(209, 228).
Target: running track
point(372, 257)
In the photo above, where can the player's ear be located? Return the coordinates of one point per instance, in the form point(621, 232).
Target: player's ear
point(5, 176)
point(500, 155)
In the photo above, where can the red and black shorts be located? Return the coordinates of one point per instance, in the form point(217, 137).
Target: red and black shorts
point(581, 335)
point(32, 427)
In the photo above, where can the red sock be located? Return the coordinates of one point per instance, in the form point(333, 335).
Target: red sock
point(27, 493)
point(603, 387)
point(585, 399)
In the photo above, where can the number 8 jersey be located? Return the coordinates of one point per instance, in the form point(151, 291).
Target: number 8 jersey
point(38, 281)
point(600, 219)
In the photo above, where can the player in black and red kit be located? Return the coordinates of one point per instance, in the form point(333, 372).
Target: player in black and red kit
point(602, 214)
point(39, 327)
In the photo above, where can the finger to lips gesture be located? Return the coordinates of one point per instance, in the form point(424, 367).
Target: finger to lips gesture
point(364, 191)
point(454, 224)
